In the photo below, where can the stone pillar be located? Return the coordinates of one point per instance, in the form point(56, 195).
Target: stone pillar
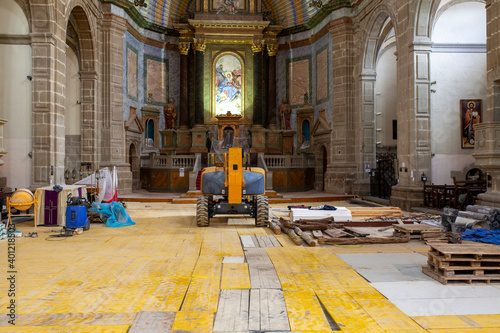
point(199, 46)
point(184, 82)
point(48, 98)
point(89, 131)
point(112, 131)
point(257, 48)
point(272, 50)
point(487, 146)
point(414, 144)
point(342, 169)
point(2, 150)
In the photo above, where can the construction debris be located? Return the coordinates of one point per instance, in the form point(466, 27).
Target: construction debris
point(328, 232)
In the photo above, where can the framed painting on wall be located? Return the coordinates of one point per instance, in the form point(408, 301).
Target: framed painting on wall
point(155, 80)
point(322, 75)
point(228, 83)
point(132, 69)
point(470, 114)
point(299, 81)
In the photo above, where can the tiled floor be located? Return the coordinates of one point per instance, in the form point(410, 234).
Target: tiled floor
point(98, 281)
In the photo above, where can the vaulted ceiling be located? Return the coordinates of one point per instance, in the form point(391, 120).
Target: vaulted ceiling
point(292, 15)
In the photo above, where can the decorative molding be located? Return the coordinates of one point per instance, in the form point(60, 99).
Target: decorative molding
point(230, 24)
point(458, 48)
point(15, 39)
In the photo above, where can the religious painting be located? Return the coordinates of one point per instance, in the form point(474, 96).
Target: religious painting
point(131, 73)
point(470, 114)
point(228, 84)
point(299, 81)
point(228, 6)
point(322, 75)
point(155, 80)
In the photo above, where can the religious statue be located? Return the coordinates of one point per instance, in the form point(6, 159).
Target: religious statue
point(170, 114)
point(285, 112)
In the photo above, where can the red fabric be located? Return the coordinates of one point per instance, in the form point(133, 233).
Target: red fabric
point(114, 198)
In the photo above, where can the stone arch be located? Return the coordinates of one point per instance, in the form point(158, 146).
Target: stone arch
point(378, 27)
point(87, 51)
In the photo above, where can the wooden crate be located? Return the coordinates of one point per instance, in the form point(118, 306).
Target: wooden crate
point(463, 262)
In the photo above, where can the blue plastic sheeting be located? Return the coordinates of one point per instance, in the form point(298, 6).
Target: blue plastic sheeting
point(113, 214)
point(213, 183)
point(482, 235)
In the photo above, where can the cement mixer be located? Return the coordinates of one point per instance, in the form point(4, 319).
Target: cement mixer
point(22, 200)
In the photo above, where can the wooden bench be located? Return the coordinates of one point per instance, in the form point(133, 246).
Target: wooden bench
point(440, 196)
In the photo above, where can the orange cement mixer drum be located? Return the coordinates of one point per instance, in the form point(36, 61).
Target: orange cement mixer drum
point(22, 199)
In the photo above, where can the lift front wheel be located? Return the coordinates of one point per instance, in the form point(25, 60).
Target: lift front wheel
point(202, 219)
point(262, 211)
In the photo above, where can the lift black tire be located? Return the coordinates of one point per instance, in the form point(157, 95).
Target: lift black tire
point(202, 219)
point(262, 211)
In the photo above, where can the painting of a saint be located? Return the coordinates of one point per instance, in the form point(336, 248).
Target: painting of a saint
point(471, 115)
point(227, 85)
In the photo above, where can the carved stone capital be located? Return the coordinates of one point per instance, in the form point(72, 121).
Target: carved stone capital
point(258, 46)
point(184, 48)
point(200, 45)
point(272, 49)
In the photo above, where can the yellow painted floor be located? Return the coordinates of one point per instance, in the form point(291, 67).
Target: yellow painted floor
point(98, 281)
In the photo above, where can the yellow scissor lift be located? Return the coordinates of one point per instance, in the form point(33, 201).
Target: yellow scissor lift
point(232, 189)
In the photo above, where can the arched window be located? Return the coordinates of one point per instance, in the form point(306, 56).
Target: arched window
point(150, 133)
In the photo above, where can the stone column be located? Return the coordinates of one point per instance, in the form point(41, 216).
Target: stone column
point(272, 50)
point(48, 98)
point(89, 131)
point(2, 150)
point(112, 131)
point(342, 170)
point(199, 46)
point(184, 82)
point(487, 146)
point(414, 144)
point(257, 48)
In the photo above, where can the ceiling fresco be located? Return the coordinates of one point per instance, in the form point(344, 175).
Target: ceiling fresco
point(292, 15)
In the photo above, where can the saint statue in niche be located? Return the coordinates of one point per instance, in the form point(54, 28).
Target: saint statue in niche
point(170, 112)
point(285, 112)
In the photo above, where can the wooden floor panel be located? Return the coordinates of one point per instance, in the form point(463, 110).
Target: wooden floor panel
point(99, 281)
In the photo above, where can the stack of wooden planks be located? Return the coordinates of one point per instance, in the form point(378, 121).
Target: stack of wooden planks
point(325, 231)
point(467, 262)
point(363, 213)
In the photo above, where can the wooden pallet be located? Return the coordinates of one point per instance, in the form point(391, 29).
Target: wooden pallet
point(469, 262)
point(463, 278)
point(412, 231)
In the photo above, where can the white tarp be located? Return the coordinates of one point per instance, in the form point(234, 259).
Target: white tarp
point(107, 183)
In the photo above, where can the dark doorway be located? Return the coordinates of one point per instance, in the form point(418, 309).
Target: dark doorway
point(325, 164)
point(383, 177)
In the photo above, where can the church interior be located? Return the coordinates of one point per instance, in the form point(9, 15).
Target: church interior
point(392, 100)
point(350, 97)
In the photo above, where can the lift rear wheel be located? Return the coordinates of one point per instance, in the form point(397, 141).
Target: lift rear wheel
point(262, 211)
point(202, 219)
